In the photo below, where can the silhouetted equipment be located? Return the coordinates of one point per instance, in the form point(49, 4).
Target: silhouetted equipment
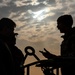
point(47, 66)
point(29, 53)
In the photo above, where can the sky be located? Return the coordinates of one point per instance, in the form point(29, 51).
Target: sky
point(36, 23)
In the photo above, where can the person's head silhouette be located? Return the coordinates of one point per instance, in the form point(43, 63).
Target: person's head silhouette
point(7, 26)
point(64, 23)
point(7, 30)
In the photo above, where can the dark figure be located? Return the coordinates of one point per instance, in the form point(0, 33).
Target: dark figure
point(10, 56)
point(64, 24)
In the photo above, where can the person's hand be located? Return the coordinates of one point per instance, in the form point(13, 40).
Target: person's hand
point(47, 54)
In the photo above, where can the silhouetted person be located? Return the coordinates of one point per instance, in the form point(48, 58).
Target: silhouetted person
point(64, 24)
point(17, 56)
point(10, 55)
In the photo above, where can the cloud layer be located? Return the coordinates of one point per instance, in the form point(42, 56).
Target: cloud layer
point(36, 18)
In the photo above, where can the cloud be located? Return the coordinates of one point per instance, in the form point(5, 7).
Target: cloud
point(34, 29)
point(4, 3)
point(38, 29)
point(20, 3)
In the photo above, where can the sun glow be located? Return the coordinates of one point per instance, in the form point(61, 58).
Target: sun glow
point(39, 15)
point(36, 14)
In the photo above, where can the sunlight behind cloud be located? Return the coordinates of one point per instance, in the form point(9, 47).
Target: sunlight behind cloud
point(41, 14)
point(44, 16)
point(36, 14)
